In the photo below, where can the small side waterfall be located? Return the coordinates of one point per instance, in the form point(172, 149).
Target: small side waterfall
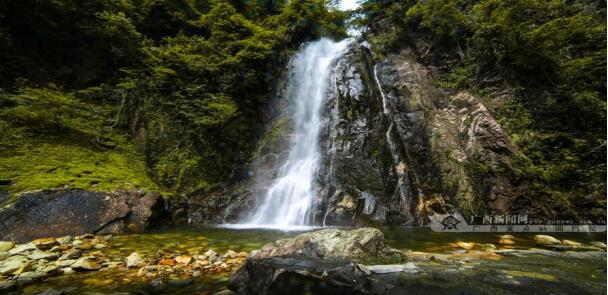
point(402, 188)
point(289, 200)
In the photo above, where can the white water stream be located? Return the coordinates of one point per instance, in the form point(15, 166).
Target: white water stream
point(289, 201)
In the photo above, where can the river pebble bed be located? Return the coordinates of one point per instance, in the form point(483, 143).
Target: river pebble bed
point(199, 260)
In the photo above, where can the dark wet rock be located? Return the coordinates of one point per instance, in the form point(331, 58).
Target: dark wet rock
point(572, 248)
point(180, 282)
point(298, 275)
point(363, 244)
point(305, 275)
point(223, 205)
point(158, 285)
point(71, 254)
point(75, 212)
point(30, 276)
point(6, 286)
point(51, 291)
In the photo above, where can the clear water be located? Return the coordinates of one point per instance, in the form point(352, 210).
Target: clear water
point(198, 239)
point(289, 200)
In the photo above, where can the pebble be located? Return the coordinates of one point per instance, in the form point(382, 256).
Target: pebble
point(570, 243)
point(183, 259)
point(85, 263)
point(71, 254)
point(598, 244)
point(14, 264)
point(6, 246)
point(65, 240)
point(68, 270)
point(135, 260)
point(37, 255)
point(506, 242)
point(51, 291)
point(22, 248)
point(64, 263)
point(465, 245)
point(544, 240)
point(230, 254)
point(167, 261)
point(45, 243)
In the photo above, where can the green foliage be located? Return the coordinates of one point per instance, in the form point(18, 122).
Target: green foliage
point(551, 57)
point(181, 85)
point(52, 138)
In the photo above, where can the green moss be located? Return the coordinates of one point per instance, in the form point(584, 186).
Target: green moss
point(49, 165)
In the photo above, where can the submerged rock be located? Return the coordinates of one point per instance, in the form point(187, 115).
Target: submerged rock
point(86, 263)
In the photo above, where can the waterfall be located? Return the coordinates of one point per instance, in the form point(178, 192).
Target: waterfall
point(289, 200)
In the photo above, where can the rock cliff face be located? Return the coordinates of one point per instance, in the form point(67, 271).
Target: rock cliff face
point(399, 149)
point(395, 149)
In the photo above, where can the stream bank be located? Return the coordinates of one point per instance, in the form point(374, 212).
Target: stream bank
point(434, 254)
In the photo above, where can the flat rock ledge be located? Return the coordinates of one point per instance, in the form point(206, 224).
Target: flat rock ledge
point(64, 212)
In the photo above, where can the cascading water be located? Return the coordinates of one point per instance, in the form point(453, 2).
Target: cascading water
point(289, 201)
point(402, 185)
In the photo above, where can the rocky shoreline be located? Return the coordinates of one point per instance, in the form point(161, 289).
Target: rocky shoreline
point(328, 261)
point(28, 263)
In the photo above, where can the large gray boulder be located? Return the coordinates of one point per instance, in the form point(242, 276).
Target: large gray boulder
point(58, 213)
point(358, 245)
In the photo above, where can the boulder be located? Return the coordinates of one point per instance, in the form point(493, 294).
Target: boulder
point(301, 275)
point(75, 212)
point(363, 244)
